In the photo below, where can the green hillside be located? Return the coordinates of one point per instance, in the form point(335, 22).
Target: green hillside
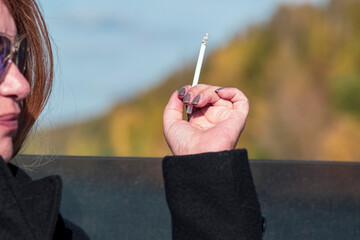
point(300, 71)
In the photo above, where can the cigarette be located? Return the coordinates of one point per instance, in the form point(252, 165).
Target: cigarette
point(198, 68)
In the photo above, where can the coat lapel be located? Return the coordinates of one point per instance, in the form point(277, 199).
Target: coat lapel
point(32, 207)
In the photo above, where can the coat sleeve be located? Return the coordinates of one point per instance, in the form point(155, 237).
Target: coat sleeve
point(212, 196)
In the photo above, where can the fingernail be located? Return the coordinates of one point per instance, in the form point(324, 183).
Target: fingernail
point(189, 109)
point(181, 92)
point(187, 98)
point(219, 89)
point(196, 100)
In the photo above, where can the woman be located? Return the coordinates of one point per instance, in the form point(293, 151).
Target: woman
point(209, 190)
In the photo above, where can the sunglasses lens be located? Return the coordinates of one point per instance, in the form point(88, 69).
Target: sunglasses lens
point(21, 56)
point(5, 50)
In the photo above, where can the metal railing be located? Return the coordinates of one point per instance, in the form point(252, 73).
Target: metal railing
point(111, 197)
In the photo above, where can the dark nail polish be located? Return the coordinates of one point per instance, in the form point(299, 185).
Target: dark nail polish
point(189, 109)
point(219, 89)
point(187, 98)
point(181, 92)
point(196, 100)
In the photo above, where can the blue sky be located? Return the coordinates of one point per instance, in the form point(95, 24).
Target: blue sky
point(111, 50)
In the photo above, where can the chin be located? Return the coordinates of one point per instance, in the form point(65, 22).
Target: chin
point(6, 149)
point(7, 156)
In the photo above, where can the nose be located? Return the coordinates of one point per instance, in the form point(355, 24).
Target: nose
point(14, 84)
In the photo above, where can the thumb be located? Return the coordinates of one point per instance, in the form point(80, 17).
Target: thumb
point(173, 111)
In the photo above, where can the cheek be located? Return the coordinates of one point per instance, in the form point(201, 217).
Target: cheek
point(6, 147)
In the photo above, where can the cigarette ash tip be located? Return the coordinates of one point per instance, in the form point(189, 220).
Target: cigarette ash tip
point(205, 39)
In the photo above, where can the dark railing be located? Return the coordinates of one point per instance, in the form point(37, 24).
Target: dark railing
point(123, 198)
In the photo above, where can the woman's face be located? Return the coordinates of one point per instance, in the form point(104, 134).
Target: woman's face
point(13, 89)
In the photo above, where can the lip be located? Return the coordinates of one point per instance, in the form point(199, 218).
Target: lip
point(9, 121)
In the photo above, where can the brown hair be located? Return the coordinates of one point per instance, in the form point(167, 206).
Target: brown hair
point(39, 66)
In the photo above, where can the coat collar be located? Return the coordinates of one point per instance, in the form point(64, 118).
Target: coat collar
point(32, 207)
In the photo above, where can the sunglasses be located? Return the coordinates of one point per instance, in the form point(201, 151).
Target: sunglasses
point(12, 49)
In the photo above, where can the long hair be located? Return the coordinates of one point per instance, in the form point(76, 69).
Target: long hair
point(39, 66)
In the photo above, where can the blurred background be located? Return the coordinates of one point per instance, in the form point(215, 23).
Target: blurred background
point(119, 61)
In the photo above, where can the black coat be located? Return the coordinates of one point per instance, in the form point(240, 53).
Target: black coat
point(30, 209)
point(210, 196)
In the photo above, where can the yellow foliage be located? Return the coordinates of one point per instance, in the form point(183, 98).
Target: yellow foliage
point(291, 68)
point(341, 140)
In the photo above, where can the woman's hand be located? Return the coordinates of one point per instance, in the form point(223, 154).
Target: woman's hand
point(217, 119)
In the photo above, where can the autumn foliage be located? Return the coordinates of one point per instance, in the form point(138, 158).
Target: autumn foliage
point(300, 71)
